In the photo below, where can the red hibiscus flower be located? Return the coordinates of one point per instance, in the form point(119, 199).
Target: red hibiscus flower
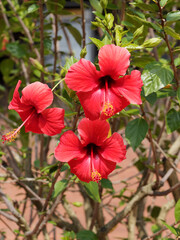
point(94, 156)
point(31, 107)
point(104, 93)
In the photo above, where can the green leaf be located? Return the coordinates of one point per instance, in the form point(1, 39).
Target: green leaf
point(54, 6)
point(172, 229)
point(178, 94)
point(96, 5)
point(163, 3)
point(77, 204)
point(92, 190)
point(156, 76)
point(177, 211)
point(69, 62)
point(170, 31)
point(64, 100)
point(16, 49)
point(138, 32)
point(86, 235)
point(34, 7)
point(97, 42)
point(173, 16)
point(106, 183)
point(59, 187)
point(109, 18)
point(136, 131)
point(153, 42)
point(172, 120)
point(75, 33)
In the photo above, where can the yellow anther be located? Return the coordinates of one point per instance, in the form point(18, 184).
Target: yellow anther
point(108, 109)
point(11, 136)
point(96, 176)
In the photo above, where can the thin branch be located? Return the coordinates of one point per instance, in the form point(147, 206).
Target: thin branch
point(26, 30)
point(41, 37)
point(83, 24)
point(66, 37)
point(8, 216)
point(30, 233)
point(153, 149)
point(167, 42)
point(143, 192)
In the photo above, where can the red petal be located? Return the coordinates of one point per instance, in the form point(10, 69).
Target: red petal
point(82, 76)
point(93, 131)
point(113, 103)
point(113, 149)
point(33, 124)
point(130, 87)
point(16, 103)
point(96, 102)
point(51, 121)
point(69, 148)
point(103, 166)
point(91, 102)
point(113, 61)
point(83, 169)
point(38, 95)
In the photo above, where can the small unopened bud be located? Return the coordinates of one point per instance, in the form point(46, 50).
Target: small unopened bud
point(83, 52)
point(104, 3)
point(36, 64)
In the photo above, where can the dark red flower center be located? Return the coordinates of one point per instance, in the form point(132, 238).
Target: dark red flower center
point(106, 81)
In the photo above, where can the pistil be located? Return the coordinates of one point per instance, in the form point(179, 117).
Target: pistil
point(95, 175)
point(11, 136)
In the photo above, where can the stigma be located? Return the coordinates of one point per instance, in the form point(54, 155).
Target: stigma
point(96, 176)
point(11, 136)
point(108, 109)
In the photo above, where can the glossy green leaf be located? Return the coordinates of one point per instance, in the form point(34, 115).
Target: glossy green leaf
point(153, 42)
point(136, 131)
point(172, 120)
point(96, 5)
point(177, 211)
point(59, 187)
point(156, 76)
point(173, 16)
point(92, 190)
point(86, 235)
point(138, 32)
point(77, 204)
point(97, 42)
point(109, 18)
point(178, 94)
point(172, 229)
point(75, 33)
point(106, 183)
point(16, 49)
point(163, 3)
point(34, 7)
point(170, 31)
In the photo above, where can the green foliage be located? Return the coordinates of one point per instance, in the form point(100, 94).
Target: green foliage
point(59, 187)
point(173, 16)
point(92, 190)
point(136, 131)
point(155, 76)
point(177, 211)
point(16, 49)
point(85, 234)
point(172, 120)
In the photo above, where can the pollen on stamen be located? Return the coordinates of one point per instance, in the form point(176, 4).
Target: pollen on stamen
point(96, 176)
point(11, 136)
point(108, 109)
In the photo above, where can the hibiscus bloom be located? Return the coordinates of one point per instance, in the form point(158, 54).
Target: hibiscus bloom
point(104, 93)
point(94, 156)
point(31, 107)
